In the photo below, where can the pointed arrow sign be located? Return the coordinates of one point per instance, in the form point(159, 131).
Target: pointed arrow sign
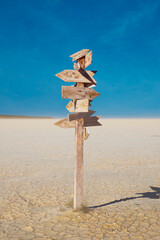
point(64, 123)
point(88, 120)
point(79, 93)
point(75, 116)
point(81, 105)
point(79, 54)
point(91, 121)
point(77, 76)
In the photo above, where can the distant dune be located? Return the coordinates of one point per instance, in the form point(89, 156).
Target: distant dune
point(16, 116)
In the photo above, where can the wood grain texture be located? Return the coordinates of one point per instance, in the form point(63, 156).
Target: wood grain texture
point(79, 131)
point(78, 182)
point(88, 59)
point(64, 123)
point(77, 76)
point(81, 105)
point(79, 54)
point(75, 93)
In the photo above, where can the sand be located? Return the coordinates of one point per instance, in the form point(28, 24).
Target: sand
point(121, 159)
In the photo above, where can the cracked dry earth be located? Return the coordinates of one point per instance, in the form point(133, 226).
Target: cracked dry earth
point(121, 181)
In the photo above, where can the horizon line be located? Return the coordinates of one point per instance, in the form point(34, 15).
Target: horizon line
point(59, 117)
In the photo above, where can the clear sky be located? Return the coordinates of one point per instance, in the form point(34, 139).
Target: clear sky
point(37, 37)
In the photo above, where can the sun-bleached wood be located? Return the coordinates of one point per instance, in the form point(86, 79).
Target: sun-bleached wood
point(81, 105)
point(78, 182)
point(70, 106)
point(64, 123)
point(79, 54)
point(77, 76)
point(75, 116)
point(88, 59)
point(85, 134)
point(79, 93)
point(79, 131)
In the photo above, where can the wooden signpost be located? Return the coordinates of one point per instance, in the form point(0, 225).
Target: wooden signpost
point(81, 95)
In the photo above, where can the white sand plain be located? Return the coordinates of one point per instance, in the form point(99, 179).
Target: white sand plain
point(121, 158)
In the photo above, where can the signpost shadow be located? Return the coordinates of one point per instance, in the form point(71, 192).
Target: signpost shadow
point(151, 195)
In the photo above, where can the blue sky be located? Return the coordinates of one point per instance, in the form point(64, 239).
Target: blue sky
point(37, 37)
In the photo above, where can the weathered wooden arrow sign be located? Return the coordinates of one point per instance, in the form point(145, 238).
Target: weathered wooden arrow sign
point(81, 105)
point(79, 93)
point(88, 59)
point(75, 116)
point(88, 120)
point(79, 54)
point(65, 123)
point(92, 121)
point(77, 76)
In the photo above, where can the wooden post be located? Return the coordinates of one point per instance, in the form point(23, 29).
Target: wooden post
point(79, 131)
point(78, 180)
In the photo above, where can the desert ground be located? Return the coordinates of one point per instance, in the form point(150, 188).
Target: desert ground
point(121, 181)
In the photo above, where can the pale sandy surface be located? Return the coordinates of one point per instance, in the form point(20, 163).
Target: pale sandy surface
point(122, 158)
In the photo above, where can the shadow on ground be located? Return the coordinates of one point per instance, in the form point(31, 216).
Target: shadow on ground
point(152, 195)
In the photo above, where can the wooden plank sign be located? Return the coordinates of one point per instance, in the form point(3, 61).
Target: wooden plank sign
point(75, 116)
point(88, 59)
point(64, 123)
point(81, 105)
point(79, 54)
point(78, 93)
point(88, 120)
point(92, 121)
point(77, 76)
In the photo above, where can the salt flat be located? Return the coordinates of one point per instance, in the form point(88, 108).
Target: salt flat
point(121, 159)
